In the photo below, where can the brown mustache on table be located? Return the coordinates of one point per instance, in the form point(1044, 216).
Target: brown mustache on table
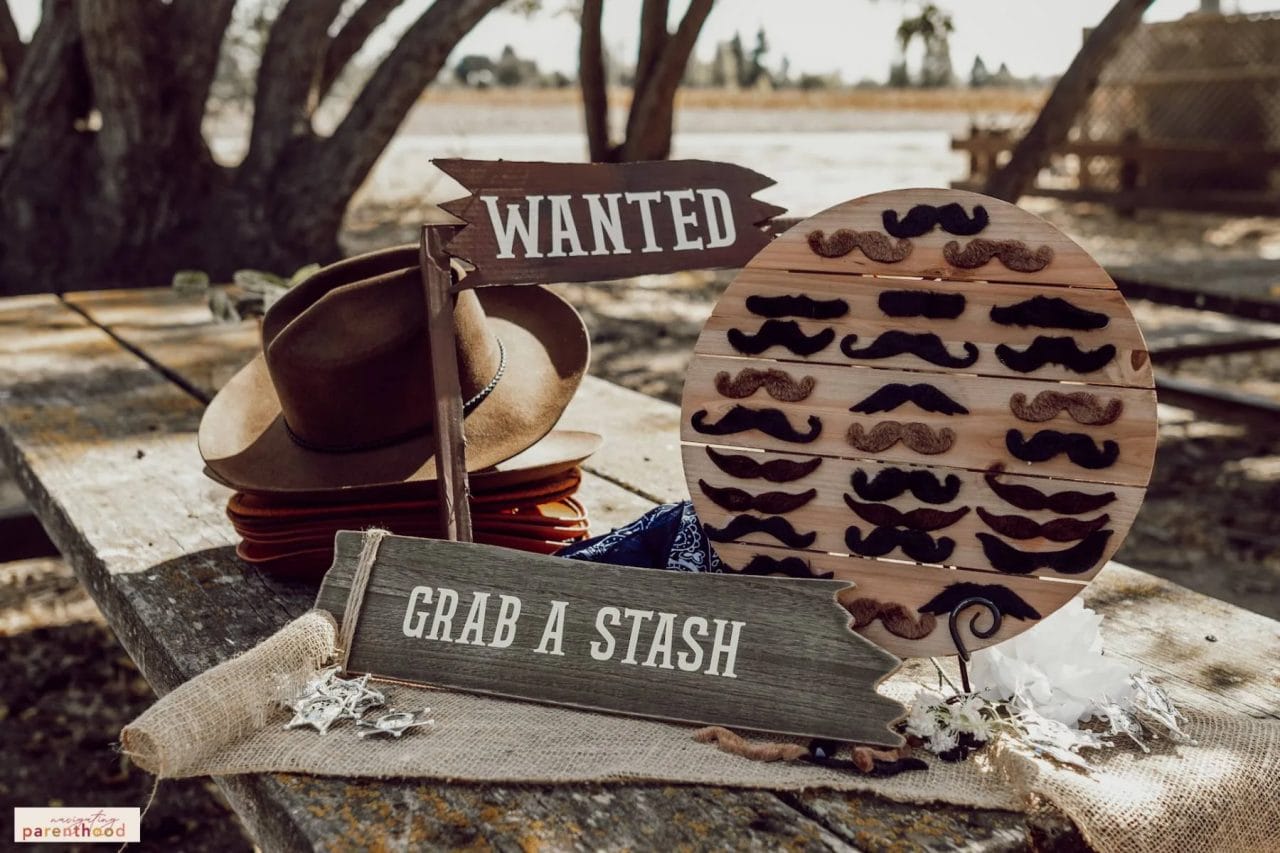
point(1056, 530)
point(1014, 254)
point(922, 518)
point(775, 525)
point(876, 246)
point(896, 618)
point(779, 384)
point(1084, 408)
point(771, 422)
point(775, 470)
point(773, 503)
point(917, 436)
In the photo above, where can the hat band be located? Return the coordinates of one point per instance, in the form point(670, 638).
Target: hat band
point(417, 432)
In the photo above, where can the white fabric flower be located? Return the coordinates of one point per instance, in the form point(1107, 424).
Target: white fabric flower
point(1056, 668)
point(967, 716)
point(943, 740)
point(922, 718)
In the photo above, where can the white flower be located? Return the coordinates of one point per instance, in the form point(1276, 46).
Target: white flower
point(967, 716)
point(1055, 668)
point(922, 718)
point(943, 740)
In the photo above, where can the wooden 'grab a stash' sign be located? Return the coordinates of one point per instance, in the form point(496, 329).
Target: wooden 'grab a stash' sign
point(770, 654)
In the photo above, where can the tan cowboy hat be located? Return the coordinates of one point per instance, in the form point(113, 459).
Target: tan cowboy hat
point(340, 397)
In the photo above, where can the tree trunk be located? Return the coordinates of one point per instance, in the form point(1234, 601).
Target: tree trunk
point(591, 79)
point(1066, 101)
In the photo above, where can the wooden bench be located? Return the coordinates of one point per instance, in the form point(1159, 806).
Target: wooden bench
point(100, 397)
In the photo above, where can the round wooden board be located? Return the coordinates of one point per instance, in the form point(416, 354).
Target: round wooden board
point(1019, 384)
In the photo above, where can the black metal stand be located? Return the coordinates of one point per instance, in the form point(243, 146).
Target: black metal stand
point(980, 633)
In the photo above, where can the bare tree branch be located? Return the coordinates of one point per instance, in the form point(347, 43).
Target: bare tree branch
point(354, 33)
point(197, 28)
point(652, 108)
point(12, 49)
point(1064, 104)
point(591, 79)
point(653, 40)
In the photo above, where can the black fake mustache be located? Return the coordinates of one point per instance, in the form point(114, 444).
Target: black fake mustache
point(924, 345)
point(1046, 350)
point(780, 333)
point(798, 305)
point(1006, 600)
point(1048, 312)
point(922, 218)
point(896, 394)
point(1055, 530)
point(1032, 499)
point(771, 503)
point(774, 471)
point(771, 422)
point(1048, 443)
point(776, 526)
point(792, 567)
point(1080, 557)
point(921, 303)
point(916, 544)
point(891, 482)
point(921, 518)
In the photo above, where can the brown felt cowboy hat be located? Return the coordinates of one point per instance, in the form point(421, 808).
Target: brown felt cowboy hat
point(340, 397)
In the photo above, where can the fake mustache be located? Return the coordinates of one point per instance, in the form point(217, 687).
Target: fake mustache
point(891, 482)
point(923, 345)
point(1084, 408)
point(1057, 530)
point(1048, 312)
point(1014, 254)
point(922, 218)
point(895, 394)
point(917, 436)
point(771, 503)
point(896, 618)
point(776, 526)
point(876, 246)
point(778, 383)
point(1064, 351)
point(798, 305)
point(921, 303)
point(1032, 499)
point(792, 567)
point(774, 471)
point(1048, 443)
point(922, 518)
point(916, 544)
point(1070, 561)
point(1006, 600)
point(780, 333)
point(771, 422)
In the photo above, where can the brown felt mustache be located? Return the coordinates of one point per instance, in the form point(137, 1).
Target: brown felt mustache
point(792, 567)
point(797, 305)
point(922, 218)
point(773, 503)
point(876, 246)
point(1006, 600)
point(919, 437)
point(896, 618)
point(1048, 312)
point(923, 345)
point(778, 383)
point(923, 518)
point(916, 544)
point(1057, 530)
point(1032, 499)
point(1070, 561)
point(780, 333)
point(771, 422)
point(1084, 408)
point(921, 303)
point(1047, 350)
point(895, 394)
point(774, 471)
point(1014, 254)
point(924, 485)
point(776, 526)
point(1048, 443)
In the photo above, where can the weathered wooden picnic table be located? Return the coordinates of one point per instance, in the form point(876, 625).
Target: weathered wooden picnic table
point(100, 397)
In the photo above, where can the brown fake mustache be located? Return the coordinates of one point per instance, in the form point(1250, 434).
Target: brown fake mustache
point(772, 503)
point(896, 618)
point(775, 470)
point(919, 437)
point(1084, 408)
point(778, 383)
point(876, 246)
point(1014, 254)
point(1056, 530)
point(922, 518)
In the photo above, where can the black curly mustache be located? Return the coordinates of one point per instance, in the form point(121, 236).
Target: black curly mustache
point(916, 544)
point(895, 394)
point(922, 218)
point(1055, 530)
point(921, 518)
point(1048, 312)
point(891, 482)
point(1032, 499)
point(792, 567)
point(1080, 557)
point(798, 305)
point(780, 333)
point(1048, 443)
point(1008, 601)
point(923, 345)
point(775, 525)
point(771, 503)
point(1046, 350)
point(774, 471)
point(921, 303)
point(771, 422)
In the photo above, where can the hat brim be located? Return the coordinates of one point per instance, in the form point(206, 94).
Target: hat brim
point(246, 444)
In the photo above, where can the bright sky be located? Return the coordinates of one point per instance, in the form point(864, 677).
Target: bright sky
point(855, 37)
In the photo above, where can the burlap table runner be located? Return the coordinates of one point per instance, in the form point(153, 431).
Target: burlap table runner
point(1220, 795)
